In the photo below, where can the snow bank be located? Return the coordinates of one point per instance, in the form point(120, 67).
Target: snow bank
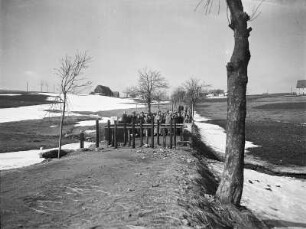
point(91, 103)
point(13, 160)
point(92, 122)
point(10, 94)
point(269, 197)
point(274, 197)
point(16, 114)
point(214, 135)
point(96, 103)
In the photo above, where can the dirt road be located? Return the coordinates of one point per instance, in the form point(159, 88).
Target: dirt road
point(109, 188)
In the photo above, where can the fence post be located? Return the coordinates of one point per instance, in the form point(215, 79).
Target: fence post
point(97, 133)
point(82, 140)
point(133, 133)
point(157, 134)
point(152, 132)
point(171, 133)
point(181, 134)
point(141, 133)
point(174, 134)
point(164, 137)
point(109, 133)
point(124, 134)
point(147, 136)
point(115, 135)
point(129, 137)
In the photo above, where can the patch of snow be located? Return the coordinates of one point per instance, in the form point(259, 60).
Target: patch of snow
point(199, 118)
point(91, 103)
point(92, 122)
point(274, 197)
point(13, 160)
point(9, 94)
point(214, 135)
point(269, 197)
point(16, 114)
point(89, 131)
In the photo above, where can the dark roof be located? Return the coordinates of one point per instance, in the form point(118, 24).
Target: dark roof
point(301, 84)
point(103, 90)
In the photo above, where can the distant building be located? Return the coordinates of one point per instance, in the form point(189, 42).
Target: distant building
point(116, 94)
point(103, 90)
point(300, 86)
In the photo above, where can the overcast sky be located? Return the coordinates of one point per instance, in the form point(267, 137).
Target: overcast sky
point(123, 36)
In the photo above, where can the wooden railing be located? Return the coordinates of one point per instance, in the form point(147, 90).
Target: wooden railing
point(152, 130)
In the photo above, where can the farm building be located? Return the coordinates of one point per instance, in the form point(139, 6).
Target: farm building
point(300, 86)
point(103, 90)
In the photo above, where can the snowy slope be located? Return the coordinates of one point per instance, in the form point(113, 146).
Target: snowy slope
point(91, 103)
point(269, 197)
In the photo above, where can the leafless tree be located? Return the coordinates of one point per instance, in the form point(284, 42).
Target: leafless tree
point(150, 82)
point(178, 96)
point(231, 185)
point(130, 92)
point(159, 96)
point(69, 73)
point(194, 89)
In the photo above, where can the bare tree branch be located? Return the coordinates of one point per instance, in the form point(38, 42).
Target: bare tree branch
point(69, 73)
point(150, 82)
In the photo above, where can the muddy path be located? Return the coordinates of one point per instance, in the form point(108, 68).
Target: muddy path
point(98, 189)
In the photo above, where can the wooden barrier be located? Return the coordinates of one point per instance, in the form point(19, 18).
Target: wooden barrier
point(115, 136)
point(109, 133)
point(124, 135)
point(141, 133)
point(171, 134)
point(97, 133)
point(82, 138)
point(152, 132)
point(133, 133)
point(129, 133)
point(157, 134)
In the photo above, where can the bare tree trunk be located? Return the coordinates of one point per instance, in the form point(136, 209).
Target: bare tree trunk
point(61, 127)
point(231, 185)
point(149, 107)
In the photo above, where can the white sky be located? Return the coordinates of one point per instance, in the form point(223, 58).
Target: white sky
point(123, 36)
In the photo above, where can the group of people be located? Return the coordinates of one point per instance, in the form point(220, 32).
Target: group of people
point(180, 116)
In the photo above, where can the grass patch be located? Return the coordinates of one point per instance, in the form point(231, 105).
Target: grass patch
point(273, 106)
point(33, 134)
point(25, 99)
point(280, 143)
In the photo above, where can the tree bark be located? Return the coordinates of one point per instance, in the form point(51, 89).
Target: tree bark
point(231, 185)
point(61, 128)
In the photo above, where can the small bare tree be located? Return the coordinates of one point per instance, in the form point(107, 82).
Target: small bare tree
point(194, 90)
point(70, 72)
point(160, 95)
point(150, 82)
point(130, 92)
point(178, 96)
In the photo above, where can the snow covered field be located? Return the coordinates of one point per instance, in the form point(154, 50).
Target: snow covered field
point(76, 103)
point(13, 160)
point(270, 197)
point(91, 103)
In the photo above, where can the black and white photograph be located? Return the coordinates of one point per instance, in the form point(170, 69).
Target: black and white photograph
point(140, 114)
